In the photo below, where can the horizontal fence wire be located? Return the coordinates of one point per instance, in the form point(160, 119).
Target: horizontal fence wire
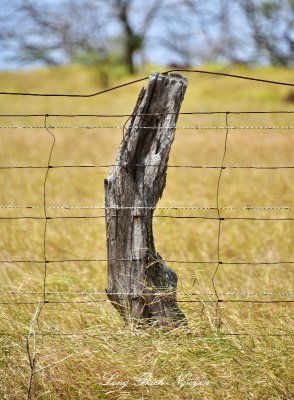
point(158, 295)
point(147, 166)
point(148, 114)
point(128, 297)
point(216, 335)
point(155, 216)
point(195, 208)
point(194, 71)
point(196, 127)
point(85, 293)
point(105, 260)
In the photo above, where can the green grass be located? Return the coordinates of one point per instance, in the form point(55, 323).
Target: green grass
point(192, 362)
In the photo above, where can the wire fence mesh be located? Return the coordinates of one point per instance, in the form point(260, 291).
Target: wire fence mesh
point(48, 211)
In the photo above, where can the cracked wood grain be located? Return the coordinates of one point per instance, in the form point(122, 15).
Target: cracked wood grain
point(140, 285)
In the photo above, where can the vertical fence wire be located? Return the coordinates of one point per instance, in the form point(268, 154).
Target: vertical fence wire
point(219, 261)
point(45, 205)
point(32, 353)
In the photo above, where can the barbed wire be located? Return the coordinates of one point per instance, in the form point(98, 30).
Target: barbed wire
point(120, 127)
point(173, 207)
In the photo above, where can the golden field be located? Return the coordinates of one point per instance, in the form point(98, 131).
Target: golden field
point(82, 349)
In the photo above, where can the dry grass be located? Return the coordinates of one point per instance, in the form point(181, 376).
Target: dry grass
point(193, 362)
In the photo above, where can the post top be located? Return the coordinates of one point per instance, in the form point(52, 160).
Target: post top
point(170, 76)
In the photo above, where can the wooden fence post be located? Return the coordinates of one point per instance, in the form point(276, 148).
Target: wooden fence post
point(140, 285)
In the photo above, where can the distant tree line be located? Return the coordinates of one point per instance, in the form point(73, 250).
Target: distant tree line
point(183, 32)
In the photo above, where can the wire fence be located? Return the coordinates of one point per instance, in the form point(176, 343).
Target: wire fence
point(216, 296)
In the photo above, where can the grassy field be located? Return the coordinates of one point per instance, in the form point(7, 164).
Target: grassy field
point(83, 350)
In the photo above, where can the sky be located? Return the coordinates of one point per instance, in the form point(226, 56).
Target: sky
point(154, 51)
point(201, 32)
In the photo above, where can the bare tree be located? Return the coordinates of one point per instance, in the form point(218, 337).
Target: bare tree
point(182, 31)
point(271, 26)
point(238, 31)
point(55, 34)
point(134, 32)
point(204, 32)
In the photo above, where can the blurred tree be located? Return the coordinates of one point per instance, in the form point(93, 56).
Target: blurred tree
point(271, 25)
point(238, 31)
point(55, 33)
point(133, 40)
point(182, 32)
point(78, 30)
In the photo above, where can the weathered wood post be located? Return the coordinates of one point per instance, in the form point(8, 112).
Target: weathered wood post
point(140, 285)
